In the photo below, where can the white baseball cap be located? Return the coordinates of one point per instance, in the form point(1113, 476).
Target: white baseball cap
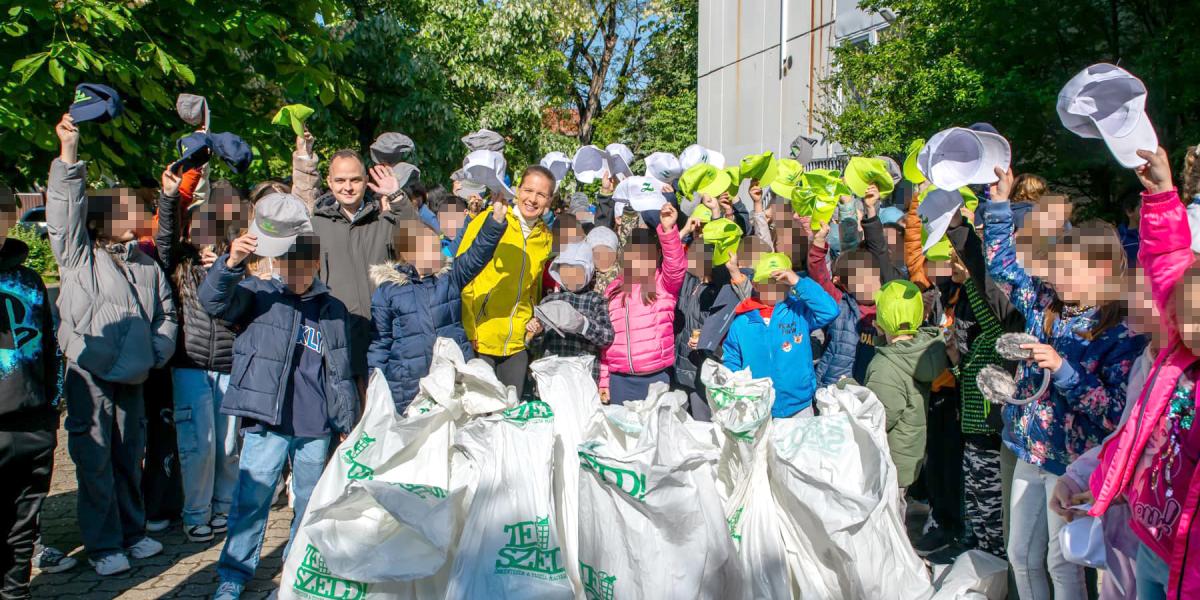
point(558, 164)
point(589, 164)
point(1107, 102)
point(641, 193)
point(663, 166)
point(486, 167)
point(936, 211)
point(696, 154)
point(619, 159)
point(958, 156)
point(1082, 541)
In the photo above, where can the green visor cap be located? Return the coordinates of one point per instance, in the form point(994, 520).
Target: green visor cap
point(862, 172)
point(786, 177)
point(724, 236)
point(911, 172)
point(769, 263)
point(293, 115)
point(899, 308)
point(755, 166)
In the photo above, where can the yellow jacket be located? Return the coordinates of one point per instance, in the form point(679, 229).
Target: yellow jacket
point(499, 302)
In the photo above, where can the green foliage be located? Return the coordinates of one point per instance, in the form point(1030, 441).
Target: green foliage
point(954, 62)
point(41, 257)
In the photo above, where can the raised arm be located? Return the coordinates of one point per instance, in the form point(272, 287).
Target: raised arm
point(818, 269)
point(66, 201)
point(1165, 253)
point(220, 294)
point(306, 178)
point(874, 239)
point(808, 298)
point(477, 256)
point(914, 259)
point(168, 232)
point(674, 264)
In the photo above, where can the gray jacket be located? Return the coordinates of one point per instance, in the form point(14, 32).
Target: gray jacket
point(117, 314)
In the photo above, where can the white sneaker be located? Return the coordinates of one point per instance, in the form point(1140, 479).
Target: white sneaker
point(145, 548)
point(157, 526)
point(219, 522)
point(110, 565)
point(52, 560)
point(198, 533)
point(228, 590)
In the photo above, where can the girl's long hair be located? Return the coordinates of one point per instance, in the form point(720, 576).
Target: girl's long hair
point(1081, 239)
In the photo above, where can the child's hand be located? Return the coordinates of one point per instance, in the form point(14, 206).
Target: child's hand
point(785, 276)
point(534, 327)
point(689, 227)
point(821, 236)
point(871, 197)
point(604, 396)
point(499, 208)
point(207, 257)
point(726, 206)
point(1156, 173)
point(756, 195)
point(304, 143)
point(608, 183)
point(668, 216)
point(170, 183)
point(668, 188)
point(68, 137)
point(1045, 356)
point(241, 248)
point(1000, 190)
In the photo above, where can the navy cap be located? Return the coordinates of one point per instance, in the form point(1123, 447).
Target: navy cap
point(95, 102)
point(984, 127)
point(233, 150)
point(194, 152)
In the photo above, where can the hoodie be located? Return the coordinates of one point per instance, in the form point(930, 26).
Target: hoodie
point(28, 352)
point(901, 376)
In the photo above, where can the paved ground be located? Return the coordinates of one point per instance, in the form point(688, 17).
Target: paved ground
point(183, 570)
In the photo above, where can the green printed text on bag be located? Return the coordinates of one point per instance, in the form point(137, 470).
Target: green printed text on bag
point(630, 482)
point(357, 469)
point(313, 580)
point(529, 412)
point(528, 551)
point(597, 585)
point(734, 521)
point(422, 491)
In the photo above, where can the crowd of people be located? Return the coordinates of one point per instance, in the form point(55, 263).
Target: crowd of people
point(265, 310)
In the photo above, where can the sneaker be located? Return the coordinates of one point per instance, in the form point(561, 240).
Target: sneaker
point(228, 590)
point(219, 522)
point(52, 560)
point(110, 565)
point(933, 540)
point(198, 533)
point(157, 526)
point(947, 555)
point(145, 548)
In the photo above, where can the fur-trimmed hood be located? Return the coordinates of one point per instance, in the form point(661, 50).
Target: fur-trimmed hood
point(398, 272)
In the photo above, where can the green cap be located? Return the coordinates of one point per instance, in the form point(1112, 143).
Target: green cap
point(819, 194)
point(970, 200)
point(735, 179)
point(899, 309)
point(702, 213)
point(705, 179)
point(755, 166)
point(294, 115)
point(786, 177)
point(769, 263)
point(911, 172)
point(862, 172)
point(724, 236)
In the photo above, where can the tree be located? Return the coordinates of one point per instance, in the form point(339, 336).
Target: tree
point(955, 62)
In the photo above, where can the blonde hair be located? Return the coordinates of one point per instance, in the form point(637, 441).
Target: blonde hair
point(1028, 188)
point(1191, 173)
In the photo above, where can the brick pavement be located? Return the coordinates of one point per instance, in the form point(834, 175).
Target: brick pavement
point(183, 570)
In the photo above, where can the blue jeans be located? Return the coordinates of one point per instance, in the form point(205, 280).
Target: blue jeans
point(1152, 574)
point(208, 444)
point(263, 456)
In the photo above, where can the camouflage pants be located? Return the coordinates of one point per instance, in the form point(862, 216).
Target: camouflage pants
point(984, 503)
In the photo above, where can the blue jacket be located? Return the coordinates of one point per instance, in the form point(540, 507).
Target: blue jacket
point(841, 344)
point(781, 350)
point(1087, 396)
point(264, 352)
point(410, 312)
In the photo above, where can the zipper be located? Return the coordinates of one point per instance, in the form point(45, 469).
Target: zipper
point(1146, 388)
point(628, 339)
point(520, 284)
point(297, 319)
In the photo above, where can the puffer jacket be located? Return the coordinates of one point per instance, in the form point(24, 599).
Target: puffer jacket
point(781, 350)
point(1084, 403)
point(411, 312)
point(850, 337)
point(264, 354)
point(643, 335)
point(1163, 515)
point(116, 311)
point(901, 376)
point(204, 342)
point(707, 307)
point(498, 303)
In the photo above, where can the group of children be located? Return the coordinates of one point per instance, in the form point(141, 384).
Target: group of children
point(239, 299)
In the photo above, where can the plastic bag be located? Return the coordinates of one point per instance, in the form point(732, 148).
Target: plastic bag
point(651, 524)
point(741, 406)
point(975, 575)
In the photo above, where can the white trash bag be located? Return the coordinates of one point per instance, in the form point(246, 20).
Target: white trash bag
point(741, 405)
point(975, 575)
point(651, 524)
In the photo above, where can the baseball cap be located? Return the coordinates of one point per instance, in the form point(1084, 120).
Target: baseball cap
point(589, 163)
point(861, 172)
point(391, 148)
point(663, 166)
point(910, 170)
point(701, 178)
point(641, 193)
point(192, 109)
point(233, 150)
point(704, 214)
point(724, 236)
point(696, 154)
point(786, 177)
point(95, 102)
point(558, 164)
point(818, 195)
point(735, 179)
point(899, 308)
point(958, 156)
point(294, 116)
point(619, 159)
point(890, 215)
point(769, 263)
point(278, 219)
point(194, 151)
point(755, 165)
point(406, 173)
point(484, 139)
point(893, 169)
point(1107, 102)
point(486, 167)
point(936, 210)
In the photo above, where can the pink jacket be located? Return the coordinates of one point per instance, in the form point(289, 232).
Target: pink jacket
point(1160, 521)
point(644, 335)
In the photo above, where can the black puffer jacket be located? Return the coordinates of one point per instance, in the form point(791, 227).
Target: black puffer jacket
point(203, 342)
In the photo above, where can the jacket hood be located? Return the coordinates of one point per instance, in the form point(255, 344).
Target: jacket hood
point(397, 272)
point(12, 254)
point(578, 254)
point(749, 305)
point(914, 356)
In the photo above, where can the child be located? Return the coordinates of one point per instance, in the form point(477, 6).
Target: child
point(770, 334)
point(1077, 317)
point(588, 331)
point(117, 321)
point(208, 440)
point(28, 398)
point(604, 244)
point(565, 231)
point(293, 383)
point(418, 301)
point(641, 305)
point(902, 372)
point(1152, 460)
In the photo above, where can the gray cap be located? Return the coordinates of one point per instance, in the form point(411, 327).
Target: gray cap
point(802, 149)
point(484, 139)
point(579, 202)
point(278, 219)
point(192, 109)
point(406, 173)
point(390, 148)
point(561, 317)
point(602, 236)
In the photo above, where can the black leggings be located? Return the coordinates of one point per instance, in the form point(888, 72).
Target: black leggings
point(510, 370)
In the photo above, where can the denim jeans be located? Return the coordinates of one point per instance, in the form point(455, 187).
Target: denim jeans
point(208, 444)
point(263, 456)
point(1033, 548)
point(1152, 573)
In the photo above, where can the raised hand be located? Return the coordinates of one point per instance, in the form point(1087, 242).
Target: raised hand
point(668, 216)
point(383, 181)
point(68, 137)
point(241, 248)
point(304, 143)
point(499, 209)
point(608, 183)
point(756, 195)
point(871, 197)
point(1155, 175)
point(170, 183)
point(1000, 190)
point(785, 276)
